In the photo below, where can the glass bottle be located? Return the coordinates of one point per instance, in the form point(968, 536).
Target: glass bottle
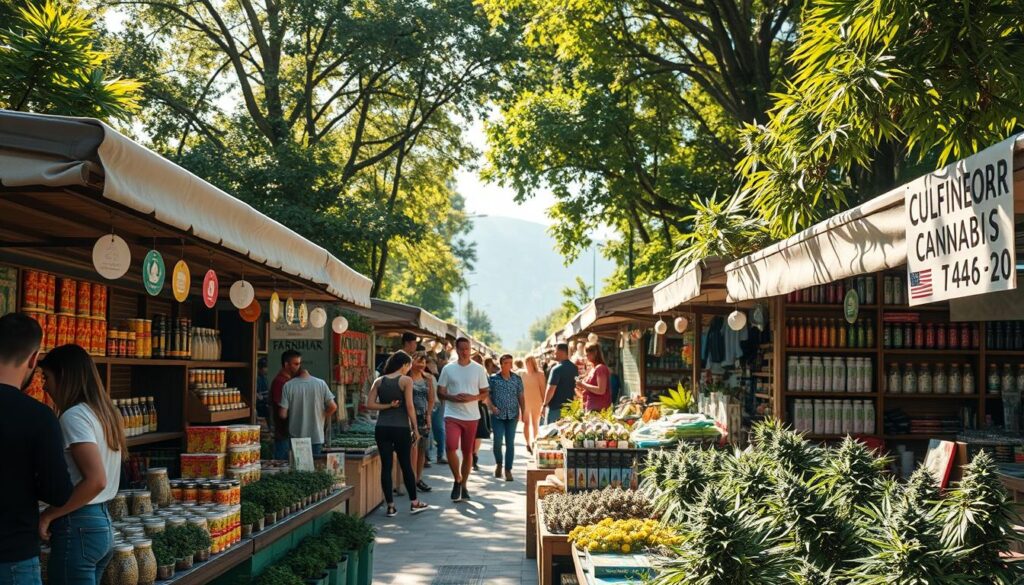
point(953, 382)
point(993, 381)
point(895, 380)
point(909, 379)
point(968, 379)
point(924, 379)
point(151, 404)
point(939, 381)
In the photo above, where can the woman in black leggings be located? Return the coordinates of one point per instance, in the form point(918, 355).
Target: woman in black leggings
point(396, 430)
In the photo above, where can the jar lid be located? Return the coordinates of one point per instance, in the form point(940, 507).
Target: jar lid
point(156, 470)
point(124, 548)
point(141, 494)
point(141, 542)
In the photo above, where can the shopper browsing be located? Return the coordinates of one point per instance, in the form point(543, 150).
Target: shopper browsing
point(423, 398)
point(506, 404)
point(463, 384)
point(561, 384)
point(533, 397)
point(34, 465)
point(80, 533)
point(396, 430)
point(437, 415)
point(596, 388)
point(307, 404)
point(291, 363)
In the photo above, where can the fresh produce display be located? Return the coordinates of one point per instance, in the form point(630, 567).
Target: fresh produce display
point(624, 536)
point(564, 512)
point(676, 399)
point(595, 432)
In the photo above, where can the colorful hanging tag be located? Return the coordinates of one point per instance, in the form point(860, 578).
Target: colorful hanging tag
point(111, 256)
point(181, 281)
point(153, 273)
point(211, 289)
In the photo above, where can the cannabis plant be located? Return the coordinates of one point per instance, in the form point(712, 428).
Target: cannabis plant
point(851, 475)
point(787, 447)
point(563, 512)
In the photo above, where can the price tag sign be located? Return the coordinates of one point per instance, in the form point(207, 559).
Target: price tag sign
point(211, 288)
point(111, 256)
point(960, 239)
point(181, 281)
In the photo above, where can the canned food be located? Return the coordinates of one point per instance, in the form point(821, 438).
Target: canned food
point(30, 301)
point(83, 299)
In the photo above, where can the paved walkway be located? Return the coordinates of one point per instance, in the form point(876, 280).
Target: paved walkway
point(468, 543)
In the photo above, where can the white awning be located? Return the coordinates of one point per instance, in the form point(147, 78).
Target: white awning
point(34, 151)
point(391, 317)
point(700, 281)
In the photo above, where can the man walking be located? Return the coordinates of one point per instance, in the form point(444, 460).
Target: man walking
point(462, 385)
point(410, 343)
point(34, 465)
point(561, 385)
point(291, 363)
point(307, 405)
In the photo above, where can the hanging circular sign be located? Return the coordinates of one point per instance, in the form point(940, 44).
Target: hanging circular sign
point(339, 325)
point(275, 307)
point(318, 317)
point(111, 256)
point(851, 306)
point(211, 289)
point(181, 281)
point(251, 313)
point(153, 272)
point(303, 315)
point(289, 311)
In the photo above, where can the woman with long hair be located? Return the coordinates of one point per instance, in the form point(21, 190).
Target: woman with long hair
point(396, 430)
point(596, 387)
point(534, 386)
point(80, 533)
point(423, 398)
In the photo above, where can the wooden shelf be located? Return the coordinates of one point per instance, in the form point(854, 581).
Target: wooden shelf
point(932, 352)
point(919, 309)
point(762, 396)
point(1005, 352)
point(920, 437)
point(217, 417)
point(831, 350)
point(150, 438)
point(826, 306)
point(169, 363)
point(762, 374)
point(901, 396)
point(850, 395)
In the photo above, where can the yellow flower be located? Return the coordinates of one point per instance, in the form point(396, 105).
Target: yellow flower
point(625, 548)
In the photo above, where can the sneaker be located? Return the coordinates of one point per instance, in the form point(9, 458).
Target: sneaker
point(476, 463)
point(457, 493)
point(418, 507)
point(465, 493)
point(420, 485)
point(392, 511)
point(426, 464)
point(497, 471)
point(508, 475)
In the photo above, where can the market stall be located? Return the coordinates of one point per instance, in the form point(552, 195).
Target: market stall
point(870, 347)
point(95, 224)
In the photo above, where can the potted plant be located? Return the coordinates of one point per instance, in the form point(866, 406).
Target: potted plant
point(342, 527)
point(164, 554)
point(199, 541)
point(309, 567)
point(178, 540)
point(278, 576)
point(315, 547)
point(337, 561)
point(252, 516)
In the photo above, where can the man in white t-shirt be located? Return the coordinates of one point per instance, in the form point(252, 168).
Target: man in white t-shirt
point(462, 385)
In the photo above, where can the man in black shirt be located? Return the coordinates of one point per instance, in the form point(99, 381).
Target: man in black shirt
point(34, 468)
point(561, 385)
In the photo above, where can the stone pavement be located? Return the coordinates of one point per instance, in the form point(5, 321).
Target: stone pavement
point(468, 543)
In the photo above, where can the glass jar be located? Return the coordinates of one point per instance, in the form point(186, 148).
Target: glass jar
point(177, 489)
point(993, 382)
point(175, 521)
point(968, 379)
point(190, 492)
point(909, 379)
point(953, 381)
point(124, 568)
point(117, 507)
point(895, 380)
point(160, 486)
point(145, 561)
point(142, 502)
point(940, 384)
point(205, 493)
point(924, 379)
point(154, 527)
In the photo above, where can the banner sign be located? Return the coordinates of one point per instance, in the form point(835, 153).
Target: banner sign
point(960, 239)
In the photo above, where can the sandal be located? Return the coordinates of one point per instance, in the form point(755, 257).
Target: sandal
point(392, 511)
point(418, 506)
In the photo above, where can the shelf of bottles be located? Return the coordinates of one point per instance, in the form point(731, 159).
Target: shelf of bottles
point(670, 368)
point(911, 370)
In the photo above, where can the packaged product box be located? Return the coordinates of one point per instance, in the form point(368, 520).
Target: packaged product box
point(202, 465)
point(604, 469)
point(212, 439)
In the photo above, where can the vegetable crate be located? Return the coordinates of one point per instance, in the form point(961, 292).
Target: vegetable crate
point(595, 469)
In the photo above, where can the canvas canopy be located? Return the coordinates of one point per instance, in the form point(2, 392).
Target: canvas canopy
point(699, 282)
point(610, 311)
point(392, 317)
point(85, 157)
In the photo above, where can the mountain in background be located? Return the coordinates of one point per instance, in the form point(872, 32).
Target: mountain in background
point(519, 277)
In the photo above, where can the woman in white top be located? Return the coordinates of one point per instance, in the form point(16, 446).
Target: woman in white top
point(80, 534)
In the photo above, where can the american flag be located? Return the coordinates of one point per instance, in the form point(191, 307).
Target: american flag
point(921, 284)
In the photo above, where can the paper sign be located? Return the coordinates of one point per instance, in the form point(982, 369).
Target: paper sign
point(111, 256)
point(181, 281)
point(153, 272)
point(211, 288)
point(960, 238)
point(335, 465)
point(302, 454)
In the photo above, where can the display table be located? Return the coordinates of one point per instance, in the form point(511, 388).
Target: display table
point(549, 546)
point(534, 475)
point(246, 559)
point(362, 472)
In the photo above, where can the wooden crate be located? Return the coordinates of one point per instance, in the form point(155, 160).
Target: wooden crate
point(549, 546)
point(533, 476)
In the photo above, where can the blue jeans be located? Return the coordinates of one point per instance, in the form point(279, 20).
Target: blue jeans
point(505, 431)
point(437, 426)
point(81, 543)
point(24, 572)
point(281, 449)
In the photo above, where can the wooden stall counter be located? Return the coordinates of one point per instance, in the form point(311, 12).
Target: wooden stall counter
point(549, 546)
point(362, 472)
point(534, 475)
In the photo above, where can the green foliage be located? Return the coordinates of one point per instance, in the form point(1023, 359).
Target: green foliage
point(352, 532)
point(882, 91)
point(252, 512)
point(279, 575)
point(162, 550)
point(478, 324)
point(197, 538)
point(722, 228)
point(178, 540)
point(51, 62)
